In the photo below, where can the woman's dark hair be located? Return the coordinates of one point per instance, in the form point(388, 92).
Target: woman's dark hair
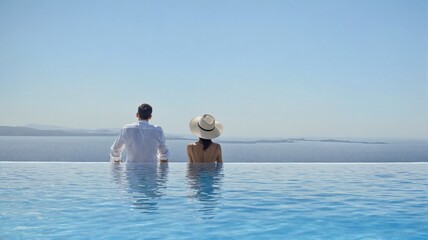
point(145, 111)
point(205, 142)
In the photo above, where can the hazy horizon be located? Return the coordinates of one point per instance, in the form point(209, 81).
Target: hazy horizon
point(339, 69)
point(190, 136)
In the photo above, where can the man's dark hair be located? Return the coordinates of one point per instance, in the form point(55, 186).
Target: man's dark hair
point(145, 111)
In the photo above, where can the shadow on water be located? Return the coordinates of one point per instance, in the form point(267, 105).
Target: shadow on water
point(144, 183)
point(205, 182)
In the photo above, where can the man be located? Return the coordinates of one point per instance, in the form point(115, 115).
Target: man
point(144, 143)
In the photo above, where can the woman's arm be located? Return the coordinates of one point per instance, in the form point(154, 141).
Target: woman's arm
point(190, 157)
point(219, 156)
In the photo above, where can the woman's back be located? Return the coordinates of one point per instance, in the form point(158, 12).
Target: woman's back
point(197, 154)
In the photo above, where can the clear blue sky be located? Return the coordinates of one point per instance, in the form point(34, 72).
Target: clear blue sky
point(264, 68)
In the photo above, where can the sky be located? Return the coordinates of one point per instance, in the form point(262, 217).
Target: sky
point(349, 69)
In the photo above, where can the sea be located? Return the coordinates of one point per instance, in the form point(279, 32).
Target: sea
point(97, 149)
point(66, 188)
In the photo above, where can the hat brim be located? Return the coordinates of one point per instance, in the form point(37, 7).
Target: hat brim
point(197, 131)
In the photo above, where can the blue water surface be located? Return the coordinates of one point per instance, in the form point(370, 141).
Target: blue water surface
point(230, 201)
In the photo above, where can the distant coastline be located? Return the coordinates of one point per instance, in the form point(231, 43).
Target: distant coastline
point(29, 131)
point(293, 140)
point(33, 132)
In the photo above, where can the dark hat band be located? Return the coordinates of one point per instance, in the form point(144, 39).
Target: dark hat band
point(207, 130)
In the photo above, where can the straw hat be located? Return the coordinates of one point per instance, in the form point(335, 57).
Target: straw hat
point(206, 127)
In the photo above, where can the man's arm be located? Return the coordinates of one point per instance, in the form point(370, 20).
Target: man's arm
point(163, 152)
point(117, 148)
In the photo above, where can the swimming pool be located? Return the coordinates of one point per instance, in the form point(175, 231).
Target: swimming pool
point(233, 201)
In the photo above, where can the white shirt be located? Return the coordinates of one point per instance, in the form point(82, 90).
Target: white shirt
point(143, 142)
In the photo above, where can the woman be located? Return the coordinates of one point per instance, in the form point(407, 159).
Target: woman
point(205, 151)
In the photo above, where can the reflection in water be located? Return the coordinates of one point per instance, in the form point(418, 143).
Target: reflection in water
point(144, 182)
point(205, 181)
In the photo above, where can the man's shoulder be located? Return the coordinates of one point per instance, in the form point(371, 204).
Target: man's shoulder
point(157, 127)
point(142, 126)
point(131, 125)
point(153, 126)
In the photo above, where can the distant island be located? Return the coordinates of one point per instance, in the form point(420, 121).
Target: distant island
point(45, 131)
point(293, 140)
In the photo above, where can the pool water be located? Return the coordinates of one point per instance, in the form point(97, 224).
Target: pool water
point(232, 201)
